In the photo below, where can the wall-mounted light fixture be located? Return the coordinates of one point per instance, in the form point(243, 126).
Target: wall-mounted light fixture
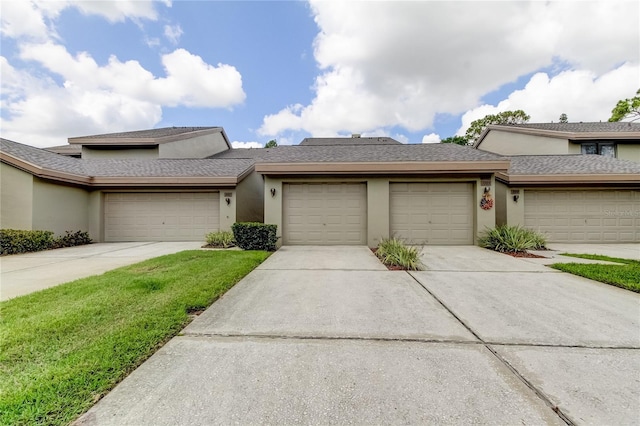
point(227, 200)
point(487, 189)
point(273, 192)
point(516, 198)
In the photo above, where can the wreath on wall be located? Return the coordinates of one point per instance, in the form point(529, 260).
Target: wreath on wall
point(486, 203)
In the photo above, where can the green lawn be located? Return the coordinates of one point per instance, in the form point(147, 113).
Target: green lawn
point(62, 349)
point(626, 276)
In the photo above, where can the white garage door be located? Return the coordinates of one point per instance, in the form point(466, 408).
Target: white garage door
point(599, 216)
point(324, 214)
point(161, 216)
point(432, 213)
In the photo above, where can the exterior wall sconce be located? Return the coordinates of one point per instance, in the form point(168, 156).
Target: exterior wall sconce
point(487, 189)
point(516, 198)
point(273, 192)
point(227, 200)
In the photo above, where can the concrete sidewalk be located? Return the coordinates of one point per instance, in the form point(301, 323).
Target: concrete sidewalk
point(22, 274)
point(321, 335)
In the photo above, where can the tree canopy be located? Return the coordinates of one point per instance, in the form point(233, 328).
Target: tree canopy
point(627, 108)
point(271, 144)
point(564, 118)
point(458, 140)
point(506, 117)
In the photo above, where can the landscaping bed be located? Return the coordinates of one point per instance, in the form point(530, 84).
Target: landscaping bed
point(64, 348)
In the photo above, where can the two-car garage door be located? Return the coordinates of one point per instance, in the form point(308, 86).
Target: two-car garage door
point(156, 216)
point(584, 216)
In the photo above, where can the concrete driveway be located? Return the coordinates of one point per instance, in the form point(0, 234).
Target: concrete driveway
point(22, 274)
point(327, 336)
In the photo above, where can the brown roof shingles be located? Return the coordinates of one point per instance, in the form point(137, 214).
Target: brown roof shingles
point(570, 164)
point(149, 133)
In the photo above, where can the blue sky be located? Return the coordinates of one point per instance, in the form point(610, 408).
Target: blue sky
point(417, 71)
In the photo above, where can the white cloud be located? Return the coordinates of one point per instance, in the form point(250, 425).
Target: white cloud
point(423, 58)
point(118, 11)
point(116, 96)
point(582, 95)
point(237, 144)
point(173, 33)
point(431, 138)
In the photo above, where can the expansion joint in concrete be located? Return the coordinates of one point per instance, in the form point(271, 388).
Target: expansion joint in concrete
point(527, 383)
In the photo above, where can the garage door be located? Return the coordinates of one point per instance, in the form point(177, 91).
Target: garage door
point(160, 216)
point(432, 213)
point(324, 214)
point(584, 216)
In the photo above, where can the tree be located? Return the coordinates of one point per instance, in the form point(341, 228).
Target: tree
point(627, 108)
point(563, 118)
point(459, 140)
point(506, 117)
point(271, 144)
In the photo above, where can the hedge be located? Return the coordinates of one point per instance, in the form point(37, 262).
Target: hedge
point(255, 235)
point(14, 241)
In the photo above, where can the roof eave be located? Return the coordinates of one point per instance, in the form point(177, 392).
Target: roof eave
point(43, 172)
point(555, 179)
point(154, 181)
point(575, 136)
point(88, 140)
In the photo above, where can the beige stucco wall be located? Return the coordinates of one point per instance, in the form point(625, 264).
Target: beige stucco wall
point(629, 152)
point(501, 203)
point(228, 211)
point(16, 198)
point(95, 215)
point(198, 147)
point(59, 208)
point(378, 214)
point(509, 211)
point(139, 153)
point(250, 202)
point(507, 143)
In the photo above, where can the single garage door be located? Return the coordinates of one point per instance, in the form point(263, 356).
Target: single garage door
point(432, 213)
point(584, 216)
point(324, 214)
point(161, 216)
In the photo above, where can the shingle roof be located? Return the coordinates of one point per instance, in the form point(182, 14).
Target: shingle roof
point(360, 153)
point(570, 164)
point(349, 141)
point(43, 158)
point(604, 127)
point(149, 133)
point(124, 167)
point(167, 167)
point(65, 149)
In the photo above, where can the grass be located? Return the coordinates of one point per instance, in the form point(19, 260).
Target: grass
point(514, 239)
point(63, 348)
point(626, 276)
point(393, 252)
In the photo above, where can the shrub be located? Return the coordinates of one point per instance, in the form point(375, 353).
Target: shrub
point(222, 239)
point(71, 239)
point(393, 252)
point(13, 241)
point(255, 236)
point(507, 238)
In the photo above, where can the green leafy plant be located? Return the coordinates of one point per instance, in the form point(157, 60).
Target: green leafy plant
point(393, 252)
point(507, 238)
point(222, 239)
point(13, 241)
point(255, 235)
point(71, 239)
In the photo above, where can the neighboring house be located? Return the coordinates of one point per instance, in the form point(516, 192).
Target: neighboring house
point(556, 185)
point(618, 140)
point(180, 183)
point(152, 185)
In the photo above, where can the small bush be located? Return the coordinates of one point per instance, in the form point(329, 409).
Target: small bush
point(255, 236)
point(511, 239)
point(13, 241)
point(222, 239)
point(393, 252)
point(72, 239)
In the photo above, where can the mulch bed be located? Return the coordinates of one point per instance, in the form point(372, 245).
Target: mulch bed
point(523, 254)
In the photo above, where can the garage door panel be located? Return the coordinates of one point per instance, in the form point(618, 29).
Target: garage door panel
point(328, 213)
point(160, 216)
point(603, 216)
point(432, 213)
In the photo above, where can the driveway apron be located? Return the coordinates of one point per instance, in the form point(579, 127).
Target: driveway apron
point(327, 335)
